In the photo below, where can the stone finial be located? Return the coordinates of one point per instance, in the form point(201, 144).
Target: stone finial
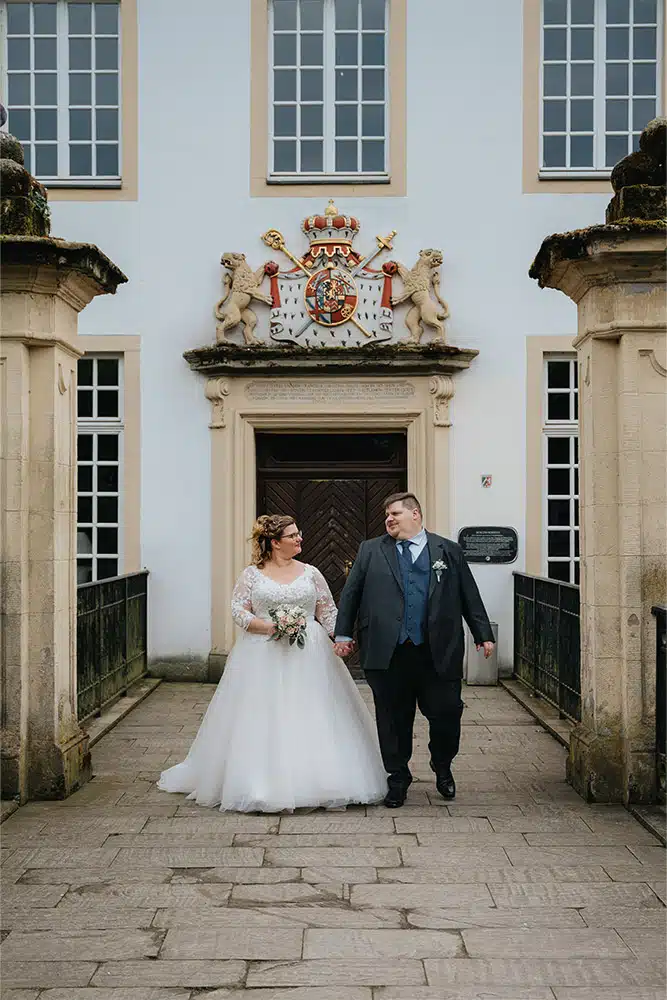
point(24, 209)
point(639, 179)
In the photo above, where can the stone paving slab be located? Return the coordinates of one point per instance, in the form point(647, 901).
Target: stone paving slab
point(516, 890)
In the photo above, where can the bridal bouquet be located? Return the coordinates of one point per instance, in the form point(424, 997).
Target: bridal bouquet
point(291, 623)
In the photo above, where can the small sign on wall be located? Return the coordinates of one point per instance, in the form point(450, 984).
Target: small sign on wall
point(482, 544)
point(487, 482)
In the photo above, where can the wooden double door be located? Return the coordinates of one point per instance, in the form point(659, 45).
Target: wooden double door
point(335, 486)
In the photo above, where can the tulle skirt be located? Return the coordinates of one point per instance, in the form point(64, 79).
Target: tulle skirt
point(286, 728)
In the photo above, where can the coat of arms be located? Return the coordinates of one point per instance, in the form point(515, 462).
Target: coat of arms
point(331, 296)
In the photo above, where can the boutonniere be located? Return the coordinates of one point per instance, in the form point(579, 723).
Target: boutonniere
point(438, 567)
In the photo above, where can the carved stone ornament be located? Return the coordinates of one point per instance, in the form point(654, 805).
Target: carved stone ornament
point(216, 390)
point(441, 388)
point(417, 285)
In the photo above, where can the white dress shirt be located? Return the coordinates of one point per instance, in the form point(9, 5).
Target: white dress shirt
point(417, 546)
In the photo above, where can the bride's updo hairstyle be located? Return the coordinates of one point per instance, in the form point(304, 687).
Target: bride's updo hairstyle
point(267, 528)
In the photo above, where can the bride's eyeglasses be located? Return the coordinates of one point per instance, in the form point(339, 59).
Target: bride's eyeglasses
point(293, 534)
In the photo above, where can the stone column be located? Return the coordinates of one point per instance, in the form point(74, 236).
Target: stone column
point(45, 283)
point(616, 275)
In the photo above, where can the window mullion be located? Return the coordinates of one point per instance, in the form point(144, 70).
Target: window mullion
point(62, 84)
point(600, 82)
point(329, 87)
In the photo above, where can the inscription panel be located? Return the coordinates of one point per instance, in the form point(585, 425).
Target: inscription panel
point(324, 390)
point(487, 544)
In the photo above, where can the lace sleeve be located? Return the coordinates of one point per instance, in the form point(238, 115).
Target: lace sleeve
point(325, 609)
point(242, 599)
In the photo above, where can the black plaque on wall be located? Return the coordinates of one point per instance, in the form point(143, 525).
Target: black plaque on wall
point(488, 544)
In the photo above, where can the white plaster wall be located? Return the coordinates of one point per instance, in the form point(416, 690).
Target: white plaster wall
point(464, 82)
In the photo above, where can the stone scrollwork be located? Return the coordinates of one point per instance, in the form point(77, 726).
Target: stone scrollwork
point(653, 360)
point(441, 388)
point(417, 286)
point(216, 390)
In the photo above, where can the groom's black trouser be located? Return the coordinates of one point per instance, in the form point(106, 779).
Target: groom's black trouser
point(411, 680)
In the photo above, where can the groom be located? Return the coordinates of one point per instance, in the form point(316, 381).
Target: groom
point(409, 590)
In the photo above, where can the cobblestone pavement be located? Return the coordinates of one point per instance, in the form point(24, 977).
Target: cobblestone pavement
point(517, 890)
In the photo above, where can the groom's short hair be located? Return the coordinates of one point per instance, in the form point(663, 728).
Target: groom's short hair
point(408, 500)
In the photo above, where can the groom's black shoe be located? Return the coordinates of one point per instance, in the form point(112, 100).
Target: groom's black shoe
point(444, 781)
point(395, 797)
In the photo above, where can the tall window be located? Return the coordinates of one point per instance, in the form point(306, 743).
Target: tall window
point(61, 78)
point(561, 469)
point(600, 80)
point(328, 89)
point(99, 457)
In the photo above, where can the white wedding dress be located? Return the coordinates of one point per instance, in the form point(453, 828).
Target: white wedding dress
point(286, 727)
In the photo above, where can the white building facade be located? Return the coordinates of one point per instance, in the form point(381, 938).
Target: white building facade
point(169, 136)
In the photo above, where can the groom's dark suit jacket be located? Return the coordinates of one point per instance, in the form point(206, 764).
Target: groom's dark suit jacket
point(373, 596)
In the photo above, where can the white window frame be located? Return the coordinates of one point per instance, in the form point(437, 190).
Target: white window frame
point(99, 426)
point(329, 174)
point(600, 94)
point(560, 429)
point(63, 179)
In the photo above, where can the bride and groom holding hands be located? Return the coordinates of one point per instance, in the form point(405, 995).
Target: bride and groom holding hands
point(287, 727)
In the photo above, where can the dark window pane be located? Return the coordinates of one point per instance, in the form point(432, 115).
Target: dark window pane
point(618, 11)
point(558, 406)
point(106, 124)
point(642, 113)
point(575, 415)
point(346, 14)
point(617, 78)
point(44, 18)
point(346, 119)
point(79, 53)
point(372, 157)
point(18, 18)
point(643, 79)
point(107, 160)
point(616, 149)
point(575, 372)
point(106, 88)
point(107, 510)
point(107, 447)
point(84, 570)
point(581, 151)
point(80, 18)
point(616, 116)
point(559, 543)
point(80, 126)
point(107, 479)
point(582, 11)
point(284, 85)
point(581, 79)
point(372, 120)
point(576, 574)
point(347, 50)
point(559, 571)
point(312, 15)
point(107, 403)
point(372, 49)
point(554, 116)
point(346, 157)
point(554, 80)
point(576, 543)
point(46, 161)
point(576, 449)
point(312, 157)
point(347, 84)
point(284, 50)
point(372, 85)
point(558, 482)
point(555, 11)
point(46, 124)
point(311, 50)
point(107, 568)
point(558, 512)
point(284, 157)
point(19, 124)
point(284, 15)
point(106, 19)
point(84, 475)
point(84, 540)
point(84, 371)
point(284, 120)
point(581, 116)
point(106, 53)
point(27, 154)
point(312, 87)
point(80, 88)
point(81, 161)
point(646, 11)
point(19, 88)
point(582, 43)
point(18, 53)
point(311, 120)
point(85, 510)
point(575, 491)
point(372, 14)
point(555, 44)
point(576, 514)
point(618, 43)
point(554, 151)
point(107, 540)
point(84, 447)
point(558, 374)
point(558, 450)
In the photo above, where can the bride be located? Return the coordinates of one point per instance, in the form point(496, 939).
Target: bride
point(286, 727)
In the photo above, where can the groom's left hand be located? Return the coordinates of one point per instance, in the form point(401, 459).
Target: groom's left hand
point(487, 647)
point(343, 648)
